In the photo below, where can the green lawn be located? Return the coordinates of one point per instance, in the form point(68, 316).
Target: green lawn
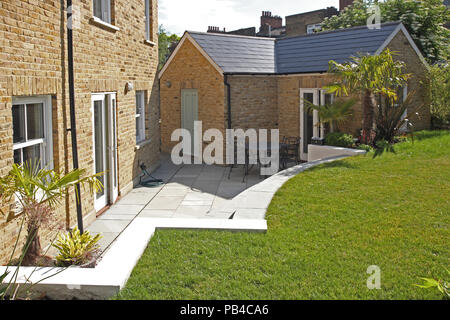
point(326, 226)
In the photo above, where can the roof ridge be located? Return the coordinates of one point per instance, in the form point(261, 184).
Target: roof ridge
point(230, 35)
point(339, 30)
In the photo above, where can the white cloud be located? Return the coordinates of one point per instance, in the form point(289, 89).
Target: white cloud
point(196, 15)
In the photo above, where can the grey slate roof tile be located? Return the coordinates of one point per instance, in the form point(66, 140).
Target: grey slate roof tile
point(302, 54)
point(236, 54)
point(312, 53)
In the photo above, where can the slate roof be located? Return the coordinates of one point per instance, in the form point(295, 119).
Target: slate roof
point(238, 54)
point(311, 53)
point(301, 54)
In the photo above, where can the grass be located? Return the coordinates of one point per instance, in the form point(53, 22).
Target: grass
point(326, 226)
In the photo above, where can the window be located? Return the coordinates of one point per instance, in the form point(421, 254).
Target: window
point(311, 28)
point(148, 20)
point(32, 130)
point(102, 10)
point(140, 116)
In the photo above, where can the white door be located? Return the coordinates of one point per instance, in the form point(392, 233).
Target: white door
point(307, 120)
point(105, 147)
point(112, 147)
point(189, 112)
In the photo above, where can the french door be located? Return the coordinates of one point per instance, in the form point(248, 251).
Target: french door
point(309, 122)
point(105, 147)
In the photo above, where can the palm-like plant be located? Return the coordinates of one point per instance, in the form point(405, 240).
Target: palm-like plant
point(37, 192)
point(333, 113)
point(369, 75)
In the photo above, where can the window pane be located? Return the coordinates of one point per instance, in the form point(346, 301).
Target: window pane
point(147, 19)
point(99, 143)
point(32, 155)
point(138, 102)
point(138, 128)
point(35, 121)
point(18, 112)
point(18, 156)
point(328, 98)
point(98, 8)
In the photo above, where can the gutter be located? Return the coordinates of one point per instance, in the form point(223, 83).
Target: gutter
point(225, 81)
point(73, 126)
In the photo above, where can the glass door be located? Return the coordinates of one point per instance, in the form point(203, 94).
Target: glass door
point(307, 120)
point(100, 159)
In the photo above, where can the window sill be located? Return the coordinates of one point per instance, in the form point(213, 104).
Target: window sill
point(103, 24)
point(140, 145)
point(150, 43)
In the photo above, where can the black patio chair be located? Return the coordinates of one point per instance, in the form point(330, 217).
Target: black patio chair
point(289, 151)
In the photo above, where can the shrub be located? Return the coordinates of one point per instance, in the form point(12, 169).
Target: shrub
point(365, 147)
point(440, 95)
point(76, 248)
point(339, 139)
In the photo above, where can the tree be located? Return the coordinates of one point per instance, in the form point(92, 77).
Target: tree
point(166, 41)
point(332, 113)
point(369, 75)
point(439, 81)
point(424, 20)
point(37, 193)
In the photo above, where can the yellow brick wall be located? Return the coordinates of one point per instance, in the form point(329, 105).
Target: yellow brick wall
point(417, 84)
point(191, 70)
point(254, 102)
point(33, 61)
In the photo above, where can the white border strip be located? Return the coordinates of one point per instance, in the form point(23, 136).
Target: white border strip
point(114, 269)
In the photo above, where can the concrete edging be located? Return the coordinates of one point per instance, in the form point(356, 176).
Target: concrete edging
point(113, 271)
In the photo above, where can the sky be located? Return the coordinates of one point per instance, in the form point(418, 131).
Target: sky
point(196, 15)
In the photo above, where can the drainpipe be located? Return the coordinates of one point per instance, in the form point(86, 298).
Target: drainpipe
point(228, 99)
point(73, 127)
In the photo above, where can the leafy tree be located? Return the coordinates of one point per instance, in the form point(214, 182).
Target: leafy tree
point(424, 20)
point(371, 76)
point(165, 42)
point(440, 95)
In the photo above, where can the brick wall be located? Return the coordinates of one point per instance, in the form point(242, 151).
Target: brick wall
point(33, 61)
point(417, 84)
point(254, 102)
point(296, 25)
point(191, 70)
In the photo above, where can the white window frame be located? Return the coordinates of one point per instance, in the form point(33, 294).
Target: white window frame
point(310, 28)
point(105, 10)
point(148, 20)
point(140, 130)
point(47, 141)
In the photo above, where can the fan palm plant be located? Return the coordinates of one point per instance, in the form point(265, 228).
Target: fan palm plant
point(333, 113)
point(37, 192)
point(370, 75)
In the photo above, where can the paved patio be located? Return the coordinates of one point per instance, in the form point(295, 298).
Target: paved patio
point(189, 192)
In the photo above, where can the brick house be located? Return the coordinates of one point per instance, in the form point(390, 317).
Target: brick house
point(230, 81)
point(116, 95)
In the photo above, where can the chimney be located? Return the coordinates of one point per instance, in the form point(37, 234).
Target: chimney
point(213, 29)
point(267, 19)
point(344, 3)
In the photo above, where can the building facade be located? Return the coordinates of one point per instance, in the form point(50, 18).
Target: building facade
point(241, 82)
point(115, 54)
